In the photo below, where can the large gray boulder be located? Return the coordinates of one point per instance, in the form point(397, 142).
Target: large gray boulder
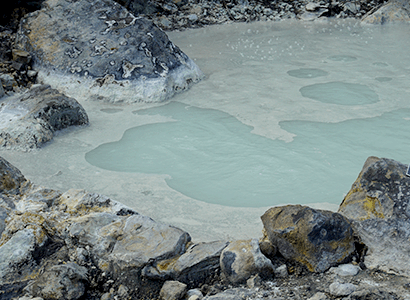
point(379, 206)
point(318, 239)
point(390, 12)
point(97, 49)
point(29, 120)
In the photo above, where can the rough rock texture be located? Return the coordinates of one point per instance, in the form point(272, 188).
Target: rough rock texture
point(98, 49)
point(30, 119)
point(316, 238)
point(67, 242)
point(65, 282)
point(393, 11)
point(379, 205)
point(242, 259)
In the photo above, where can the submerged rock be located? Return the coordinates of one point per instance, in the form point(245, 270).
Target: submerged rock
point(97, 49)
point(316, 238)
point(379, 206)
point(29, 120)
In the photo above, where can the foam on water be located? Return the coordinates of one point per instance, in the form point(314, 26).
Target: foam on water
point(251, 96)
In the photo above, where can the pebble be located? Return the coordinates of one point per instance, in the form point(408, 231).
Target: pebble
point(345, 270)
point(341, 289)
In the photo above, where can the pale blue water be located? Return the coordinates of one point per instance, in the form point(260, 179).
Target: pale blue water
point(213, 157)
point(288, 113)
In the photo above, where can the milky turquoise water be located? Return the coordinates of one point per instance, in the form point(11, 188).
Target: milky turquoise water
point(288, 113)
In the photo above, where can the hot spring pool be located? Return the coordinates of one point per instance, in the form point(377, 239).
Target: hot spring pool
point(288, 113)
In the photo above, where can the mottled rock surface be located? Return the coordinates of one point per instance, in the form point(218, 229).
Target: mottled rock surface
point(29, 120)
point(242, 259)
point(97, 49)
point(318, 239)
point(379, 206)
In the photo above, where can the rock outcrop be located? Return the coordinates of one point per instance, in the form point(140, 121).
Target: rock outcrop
point(379, 206)
point(316, 238)
point(97, 49)
point(29, 120)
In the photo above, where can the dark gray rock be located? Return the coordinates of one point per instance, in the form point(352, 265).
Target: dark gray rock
point(97, 49)
point(197, 264)
point(318, 239)
point(379, 206)
point(242, 259)
point(29, 120)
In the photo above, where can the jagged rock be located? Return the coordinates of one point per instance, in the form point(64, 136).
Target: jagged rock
point(199, 262)
point(318, 239)
point(379, 205)
point(30, 119)
point(173, 290)
point(63, 282)
point(241, 259)
point(392, 11)
point(97, 49)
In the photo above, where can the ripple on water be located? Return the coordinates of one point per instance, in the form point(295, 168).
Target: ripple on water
point(342, 58)
point(111, 110)
point(341, 93)
point(307, 73)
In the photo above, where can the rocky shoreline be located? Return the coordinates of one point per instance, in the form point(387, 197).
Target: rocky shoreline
point(79, 245)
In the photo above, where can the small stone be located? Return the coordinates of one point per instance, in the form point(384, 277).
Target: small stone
point(193, 17)
point(31, 73)
point(281, 271)
point(254, 281)
point(345, 270)
point(341, 289)
point(319, 296)
point(312, 6)
point(194, 294)
point(172, 290)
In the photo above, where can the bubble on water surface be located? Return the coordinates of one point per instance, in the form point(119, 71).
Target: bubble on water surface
point(341, 93)
point(307, 73)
